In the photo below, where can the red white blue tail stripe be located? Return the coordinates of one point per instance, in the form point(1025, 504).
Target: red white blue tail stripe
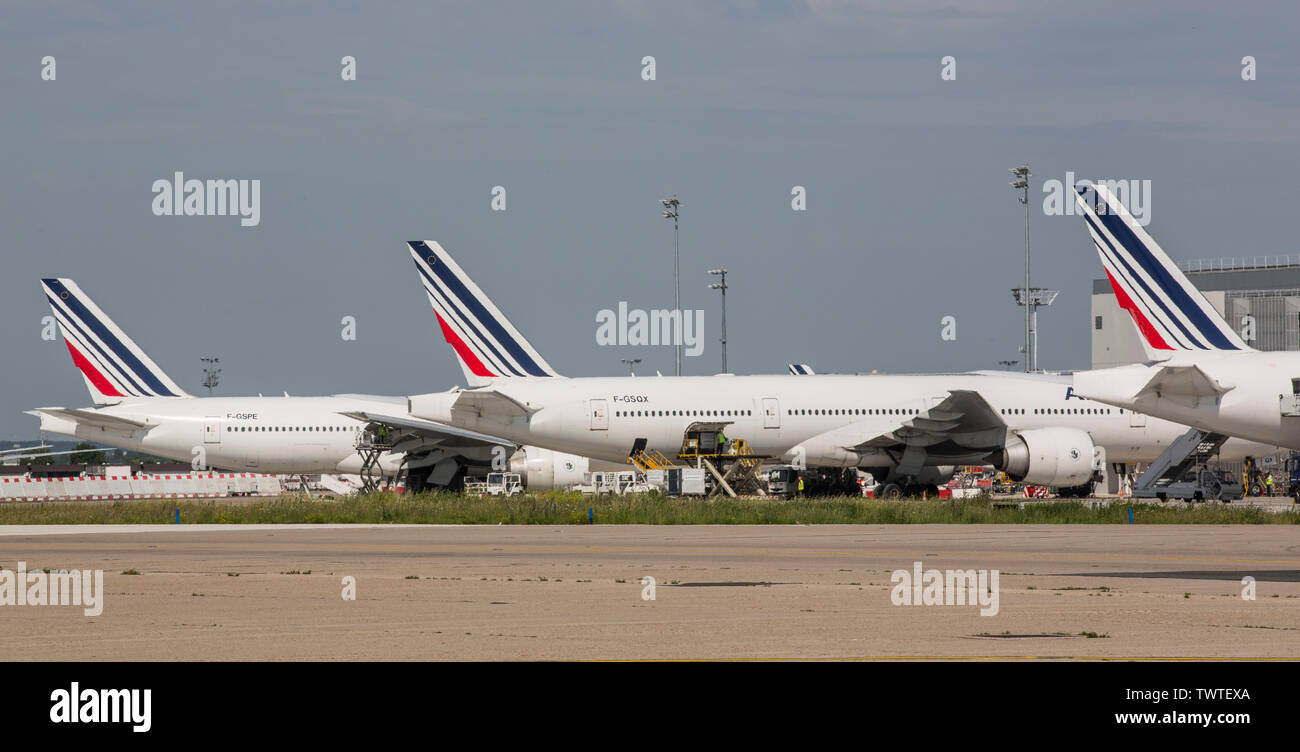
point(487, 344)
point(1170, 313)
point(113, 365)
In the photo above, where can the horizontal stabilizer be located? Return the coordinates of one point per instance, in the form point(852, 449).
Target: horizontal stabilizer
point(1184, 381)
point(90, 417)
point(430, 429)
point(492, 404)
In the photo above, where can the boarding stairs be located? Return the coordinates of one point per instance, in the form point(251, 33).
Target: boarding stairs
point(650, 459)
point(1180, 470)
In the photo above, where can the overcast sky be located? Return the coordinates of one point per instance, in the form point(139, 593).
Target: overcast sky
point(909, 216)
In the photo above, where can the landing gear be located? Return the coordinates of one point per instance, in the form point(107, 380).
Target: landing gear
point(907, 489)
point(417, 480)
point(891, 491)
point(1075, 492)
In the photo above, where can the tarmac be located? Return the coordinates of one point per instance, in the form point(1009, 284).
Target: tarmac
point(780, 592)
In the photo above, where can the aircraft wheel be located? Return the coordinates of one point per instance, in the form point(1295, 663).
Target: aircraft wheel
point(891, 491)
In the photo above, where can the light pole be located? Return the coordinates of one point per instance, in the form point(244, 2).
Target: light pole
point(1021, 183)
point(671, 205)
point(631, 364)
point(211, 374)
point(1039, 297)
point(722, 285)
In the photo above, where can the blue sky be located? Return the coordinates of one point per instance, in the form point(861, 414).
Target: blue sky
point(909, 216)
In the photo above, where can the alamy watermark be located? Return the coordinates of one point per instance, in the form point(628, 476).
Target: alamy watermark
point(179, 197)
point(1133, 194)
point(77, 705)
point(946, 587)
point(60, 587)
point(660, 327)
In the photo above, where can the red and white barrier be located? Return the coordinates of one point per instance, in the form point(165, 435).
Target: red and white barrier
point(104, 487)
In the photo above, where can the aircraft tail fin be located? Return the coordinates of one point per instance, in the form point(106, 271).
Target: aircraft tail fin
point(1171, 315)
point(488, 346)
point(112, 364)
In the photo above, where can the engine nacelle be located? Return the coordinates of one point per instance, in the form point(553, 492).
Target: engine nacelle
point(545, 470)
point(1049, 457)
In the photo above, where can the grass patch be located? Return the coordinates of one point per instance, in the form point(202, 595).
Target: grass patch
point(568, 508)
point(124, 571)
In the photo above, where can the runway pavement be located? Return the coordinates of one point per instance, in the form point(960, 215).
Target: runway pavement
point(274, 592)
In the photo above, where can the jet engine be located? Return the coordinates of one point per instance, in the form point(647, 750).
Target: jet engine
point(1048, 457)
point(544, 470)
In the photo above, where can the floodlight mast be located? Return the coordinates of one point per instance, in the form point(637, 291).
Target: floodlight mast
point(722, 285)
point(670, 211)
point(1021, 183)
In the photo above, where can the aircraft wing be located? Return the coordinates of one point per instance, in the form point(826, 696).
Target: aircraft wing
point(33, 455)
point(10, 452)
point(958, 428)
point(426, 429)
point(90, 417)
point(962, 418)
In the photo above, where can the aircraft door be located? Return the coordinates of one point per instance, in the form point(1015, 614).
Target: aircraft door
point(599, 415)
point(211, 431)
point(771, 412)
point(1137, 420)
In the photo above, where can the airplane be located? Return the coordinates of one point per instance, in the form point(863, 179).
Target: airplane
point(1199, 371)
point(909, 431)
point(139, 408)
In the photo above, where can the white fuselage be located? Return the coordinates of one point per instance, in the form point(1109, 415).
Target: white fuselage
point(1260, 391)
point(248, 434)
point(786, 417)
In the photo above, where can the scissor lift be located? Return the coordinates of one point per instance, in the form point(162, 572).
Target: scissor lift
point(735, 468)
point(373, 441)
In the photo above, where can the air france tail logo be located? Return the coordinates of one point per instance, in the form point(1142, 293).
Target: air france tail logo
point(111, 362)
point(486, 342)
point(1169, 312)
